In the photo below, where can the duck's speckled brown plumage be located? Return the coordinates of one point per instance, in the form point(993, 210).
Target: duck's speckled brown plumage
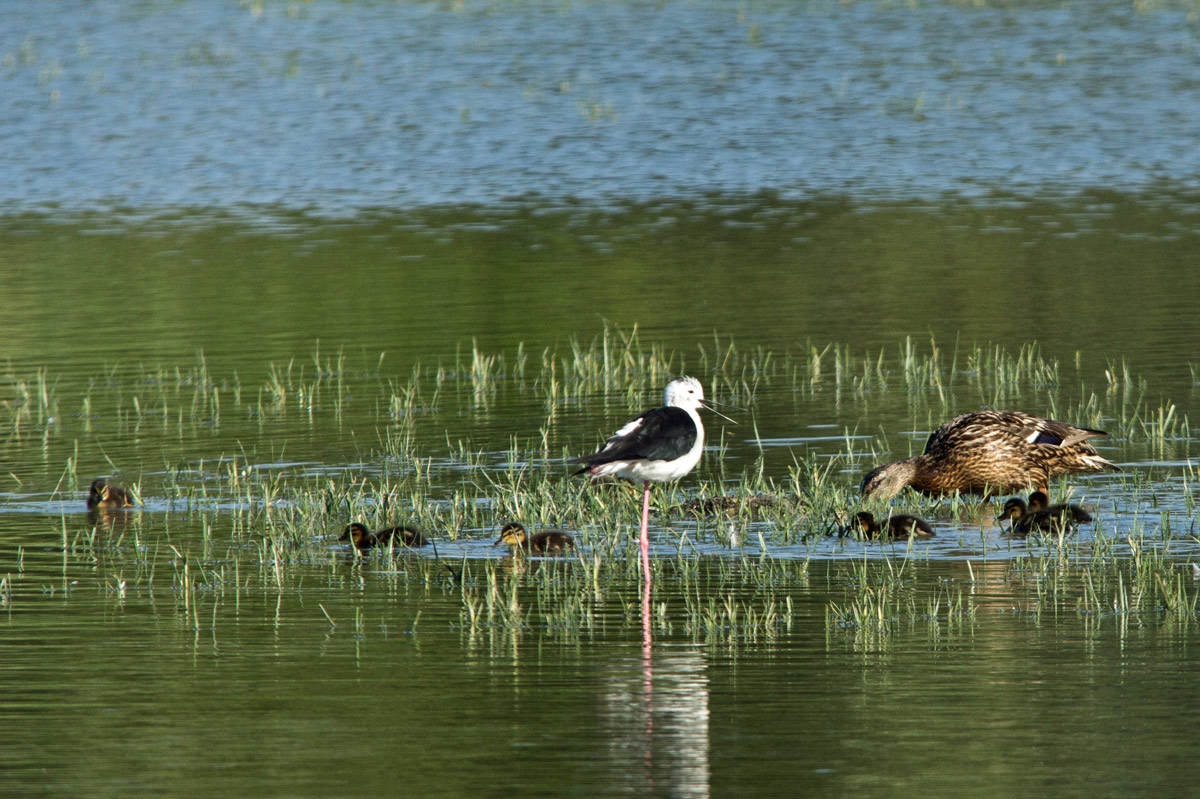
point(1041, 516)
point(547, 542)
point(362, 538)
point(991, 451)
point(102, 496)
point(898, 526)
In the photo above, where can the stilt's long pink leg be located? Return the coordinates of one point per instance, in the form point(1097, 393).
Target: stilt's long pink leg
point(646, 637)
point(645, 546)
point(645, 539)
point(647, 672)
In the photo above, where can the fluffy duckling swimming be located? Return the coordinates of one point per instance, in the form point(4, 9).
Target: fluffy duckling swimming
point(899, 526)
point(102, 496)
point(1040, 515)
point(547, 542)
point(363, 539)
point(996, 450)
point(1039, 500)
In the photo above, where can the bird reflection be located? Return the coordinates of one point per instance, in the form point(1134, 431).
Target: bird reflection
point(656, 716)
point(107, 520)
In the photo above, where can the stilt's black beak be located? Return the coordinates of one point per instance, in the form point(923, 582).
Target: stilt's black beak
point(708, 405)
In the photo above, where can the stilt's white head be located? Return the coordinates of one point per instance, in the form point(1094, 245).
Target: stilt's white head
point(687, 393)
point(684, 392)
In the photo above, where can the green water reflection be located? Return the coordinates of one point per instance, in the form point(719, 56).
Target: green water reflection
point(185, 648)
point(1108, 275)
point(353, 677)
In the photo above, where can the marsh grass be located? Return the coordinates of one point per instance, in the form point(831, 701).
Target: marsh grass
point(220, 525)
point(32, 400)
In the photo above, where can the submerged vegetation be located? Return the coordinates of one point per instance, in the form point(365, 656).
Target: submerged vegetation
point(737, 552)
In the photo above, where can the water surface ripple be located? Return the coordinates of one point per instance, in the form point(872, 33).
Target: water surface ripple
point(347, 105)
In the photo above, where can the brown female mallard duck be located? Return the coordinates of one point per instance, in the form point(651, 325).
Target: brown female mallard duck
point(898, 526)
point(363, 538)
point(991, 451)
point(547, 542)
point(1039, 515)
point(102, 496)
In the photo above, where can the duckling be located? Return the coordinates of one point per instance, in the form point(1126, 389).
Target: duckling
point(363, 539)
point(899, 526)
point(1039, 515)
point(102, 496)
point(1039, 500)
point(547, 542)
point(996, 450)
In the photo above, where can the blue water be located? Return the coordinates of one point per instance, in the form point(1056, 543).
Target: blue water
point(341, 106)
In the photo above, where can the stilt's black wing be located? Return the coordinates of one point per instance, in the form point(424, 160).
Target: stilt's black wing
point(662, 434)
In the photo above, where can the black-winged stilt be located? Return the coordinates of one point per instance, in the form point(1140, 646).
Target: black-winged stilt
point(658, 446)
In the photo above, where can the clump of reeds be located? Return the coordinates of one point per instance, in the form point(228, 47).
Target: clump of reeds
point(271, 528)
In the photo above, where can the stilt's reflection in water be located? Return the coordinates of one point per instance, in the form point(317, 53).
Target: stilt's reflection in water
point(657, 719)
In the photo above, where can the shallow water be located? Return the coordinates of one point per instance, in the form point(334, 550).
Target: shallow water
point(357, 675)
point(300, 670)
point(263, 263)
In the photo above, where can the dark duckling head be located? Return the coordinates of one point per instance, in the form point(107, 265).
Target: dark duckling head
point(105, 497)
point(97, 492)
point(1016, 509)
point(512, 534)
point(864, 522)
point(358, 535)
